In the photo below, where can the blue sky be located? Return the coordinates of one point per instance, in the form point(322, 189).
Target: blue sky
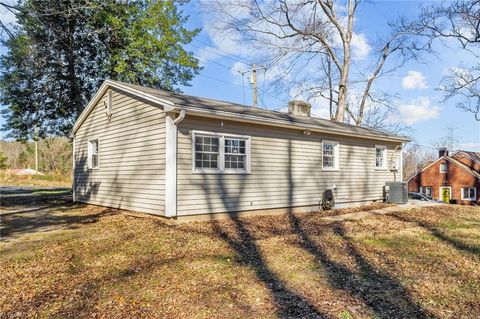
point(420, 105)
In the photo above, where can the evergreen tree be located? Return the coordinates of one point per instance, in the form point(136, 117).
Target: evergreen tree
point(61, 51)
point(3, 161)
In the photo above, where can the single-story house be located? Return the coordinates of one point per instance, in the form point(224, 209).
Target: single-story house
point(187, 157)
point(453, 177)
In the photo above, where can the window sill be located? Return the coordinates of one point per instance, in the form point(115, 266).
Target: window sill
point(381, 169)
point(330, 169)
point(208, 172)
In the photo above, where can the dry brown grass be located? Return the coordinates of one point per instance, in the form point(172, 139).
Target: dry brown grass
point(48, 180)
point(416, 264)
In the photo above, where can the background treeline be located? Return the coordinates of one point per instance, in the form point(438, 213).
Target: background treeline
point(54, 155)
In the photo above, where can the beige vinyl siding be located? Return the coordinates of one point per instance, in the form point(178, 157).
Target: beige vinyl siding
point(131, 173)
point(286, 170)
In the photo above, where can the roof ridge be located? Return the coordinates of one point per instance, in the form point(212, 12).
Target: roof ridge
point(261, 111)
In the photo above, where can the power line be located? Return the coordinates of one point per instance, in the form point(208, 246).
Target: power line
point(221, 50)
point(218, 80)
point(217, 54)
point(270, 95)
point(237, 85)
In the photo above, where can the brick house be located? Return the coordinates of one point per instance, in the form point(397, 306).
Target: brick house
point(454, 178)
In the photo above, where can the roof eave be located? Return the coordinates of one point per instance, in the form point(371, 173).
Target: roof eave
point(285, 124)
point(168, 105)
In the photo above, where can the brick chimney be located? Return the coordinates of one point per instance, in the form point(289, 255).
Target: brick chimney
point(443, 151)
point(299, 108)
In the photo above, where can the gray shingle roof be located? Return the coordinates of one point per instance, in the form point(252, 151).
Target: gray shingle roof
point(219, 107)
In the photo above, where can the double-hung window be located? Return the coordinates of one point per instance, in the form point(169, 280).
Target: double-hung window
point(93, 154)
point(218, 153)
point(443, 168)
point(207, 151)
point(469, 193)
point(235, 154)
point(380, 157)
point(330, 155)
point(427, 191)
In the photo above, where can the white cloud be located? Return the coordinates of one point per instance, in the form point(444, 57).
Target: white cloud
point(470, 146)
point(360, 47)
point(414, 80)
point(417, 110)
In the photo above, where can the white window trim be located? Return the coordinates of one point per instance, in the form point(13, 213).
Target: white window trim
point(472, 198)
point(423, 190)
point(431, 193)
point(221, 153)
point(336, 152)
point(385, 158)
point(440, 168)
point(89, 154)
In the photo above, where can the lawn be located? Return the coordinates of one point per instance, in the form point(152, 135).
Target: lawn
point(47, 180)
point(96, 262)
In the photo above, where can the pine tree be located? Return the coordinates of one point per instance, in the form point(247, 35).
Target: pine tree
point(61, 51)
point(3, 161)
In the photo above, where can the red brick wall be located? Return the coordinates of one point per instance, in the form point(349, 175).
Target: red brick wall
point(455, 177)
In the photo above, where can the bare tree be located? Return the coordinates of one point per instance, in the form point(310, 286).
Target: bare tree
point(310, 43)
point(416, 158)
point(458, 20)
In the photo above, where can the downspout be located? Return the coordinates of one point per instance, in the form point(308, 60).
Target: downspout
point(171, 163)
point(180, 117)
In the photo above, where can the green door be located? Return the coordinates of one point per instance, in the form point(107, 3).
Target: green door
point(445, 194)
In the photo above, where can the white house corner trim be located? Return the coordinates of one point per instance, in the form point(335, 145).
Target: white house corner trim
point(401, 164)
point(73, 170)
point(170, 166)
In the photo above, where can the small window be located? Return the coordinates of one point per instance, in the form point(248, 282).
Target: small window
point(93, 154)
point(380, 157)
point(427, 191)
point(469, 193)
point(215, 153)
point(330, 155)
point(443, 168)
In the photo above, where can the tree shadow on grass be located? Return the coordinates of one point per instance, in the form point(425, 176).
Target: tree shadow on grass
point(383, 295)
point(438, 233)
point(289, 303)
point(47, 219)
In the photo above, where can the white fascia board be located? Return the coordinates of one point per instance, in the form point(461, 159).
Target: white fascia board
point(168, 105)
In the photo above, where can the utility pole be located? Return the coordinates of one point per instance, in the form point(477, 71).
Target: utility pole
point(254, 82)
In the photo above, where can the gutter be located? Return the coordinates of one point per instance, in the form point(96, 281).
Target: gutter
point(286, 124)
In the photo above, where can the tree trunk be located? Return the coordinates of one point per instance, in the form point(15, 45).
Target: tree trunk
point(75, 94)
point(342, 85)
